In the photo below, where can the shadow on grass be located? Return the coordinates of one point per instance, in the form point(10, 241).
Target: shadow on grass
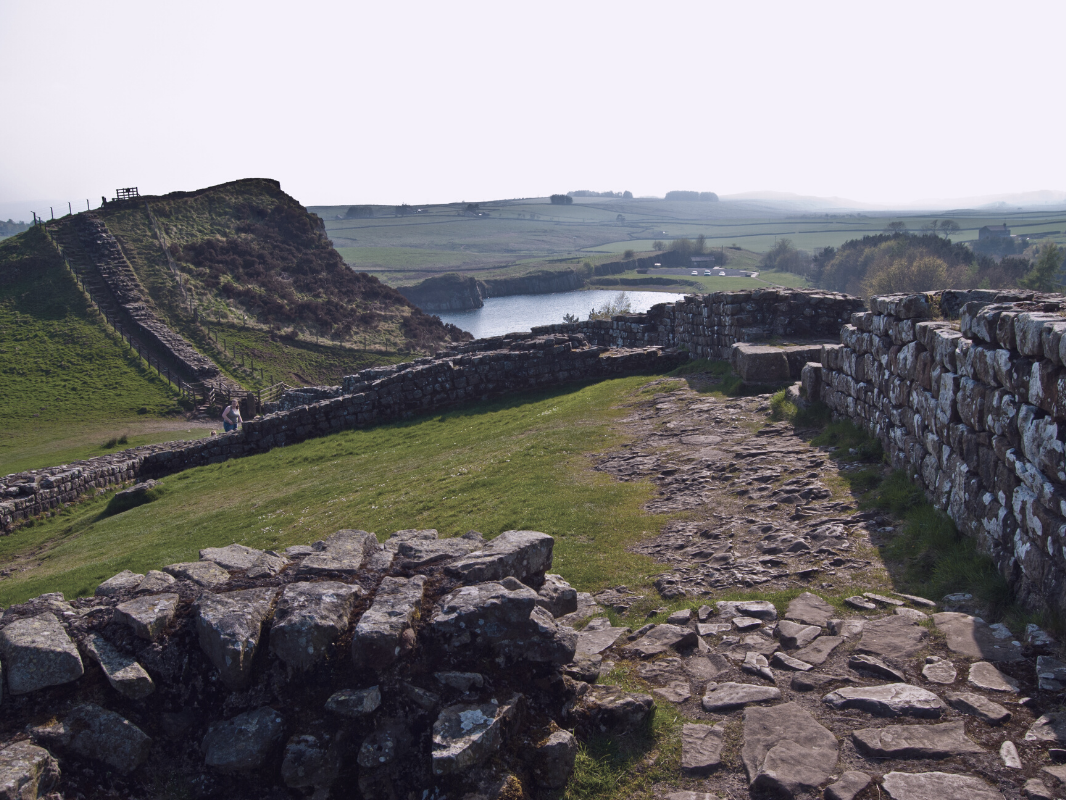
point(709, 375)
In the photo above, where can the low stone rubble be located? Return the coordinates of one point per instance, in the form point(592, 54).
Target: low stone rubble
point(358, 675)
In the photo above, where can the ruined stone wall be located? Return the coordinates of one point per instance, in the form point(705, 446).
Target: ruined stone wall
point(974, 411)
point(494, 368)
point(372, 670)
point(709, 325)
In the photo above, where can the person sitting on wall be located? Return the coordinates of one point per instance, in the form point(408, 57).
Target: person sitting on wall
point(231, 417)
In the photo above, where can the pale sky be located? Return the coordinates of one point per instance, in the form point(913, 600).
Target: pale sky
point(423, 102)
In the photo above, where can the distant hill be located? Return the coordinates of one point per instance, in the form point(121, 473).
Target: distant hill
point(247, 274)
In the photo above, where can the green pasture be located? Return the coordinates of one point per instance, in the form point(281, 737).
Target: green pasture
point(515, 464)
point(69, 384)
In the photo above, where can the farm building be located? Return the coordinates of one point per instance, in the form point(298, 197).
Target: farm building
point(994, 232)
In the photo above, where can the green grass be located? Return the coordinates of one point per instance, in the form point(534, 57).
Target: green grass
point(519, 464)
point(62, 371)
point(935, 558)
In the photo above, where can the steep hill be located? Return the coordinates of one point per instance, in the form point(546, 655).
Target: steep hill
point(69, 385)
point(248, 276)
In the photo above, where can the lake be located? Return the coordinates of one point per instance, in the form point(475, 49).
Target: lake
point(521, 312)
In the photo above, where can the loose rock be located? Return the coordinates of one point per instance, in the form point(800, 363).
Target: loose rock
point(310, 617)
point(229, 627)
point(889, 700)
point(849, 785)
point(96, 733)
point(793, 635)
point(244, 742)
point(345, 552)
point(937, 786)
point(27, 772)
point(786, 750)
point(125, 581)
point(608, 709)
point(892, 637)
point(1050, 727)
point(939, 670)
point(37, 653)
point(1009, 755)
point(915, 741)
point(728, 696)
point(760, 609)
point(204, 573)
point(701, 748)
point(122, 671)
point(875, 666)
point(809, 609)
point(557, 596)
point(985, 676)
point(973, 638)
point(977, 706)
point(525, 555)
point(148, 616)
point(553, 761)
point(382, 632)
point(818, 651)
point(660, 639)
point(467, 735)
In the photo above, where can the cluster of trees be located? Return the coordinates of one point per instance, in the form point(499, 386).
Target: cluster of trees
point(359, 212)
point(902, 262)
point(692, 196)
point(10, 228)
point(561, 200)
point(627, 195)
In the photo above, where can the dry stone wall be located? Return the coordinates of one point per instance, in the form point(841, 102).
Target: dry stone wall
point(709, 325)
point(974, 411)
point(346, 668)
point(496, 368)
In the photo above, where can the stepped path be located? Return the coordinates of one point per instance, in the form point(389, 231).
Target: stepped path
point(97, 258)
point(883, 695)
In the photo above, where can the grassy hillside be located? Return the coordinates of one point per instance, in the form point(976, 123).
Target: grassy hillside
point(246, 255)
point(513, 464)
point(69, 386)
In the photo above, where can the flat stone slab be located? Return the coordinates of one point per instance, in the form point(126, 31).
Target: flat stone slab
point(379, 636)
point(880, 599)
point(124, 581)
point(892, 637)
point(345, 552)
point(234, 556)
point(267, 565)
point(1036, 789)
point(467, 735)
point(972, 637)
point(786, 750)
point(939, 670)
point(756, 363)
point(608, 709)
point(713, 628)
point(123, 672)
point(847, 628)
point(727, 696)
point(760, 609)
point(875, 666)
point(660, 639)
point(310, 617)
point(674, 692)
point(597, 641)
point(701, 748)
point(889, 700)
point(203, 573)
point(354, 703)
point(27, 772)
point(918, 601)
point(243, 743)
point(937, 786)
point(985, 676)
point(37, 653)
point(148, 616)
point(1058, 772)
point(416, 549)
point(785, 661)
point(981, 707)
point(156, 581)
point(860, 603)
point(793, 635)
point(1050, 727)
point(819, 650)
point(849, 785)
point(517, 554)
point(915, 741)
point(229, 627)
point(746, 623)
point(810, 609)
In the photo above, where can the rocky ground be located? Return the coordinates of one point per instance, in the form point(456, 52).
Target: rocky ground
point(895, 695)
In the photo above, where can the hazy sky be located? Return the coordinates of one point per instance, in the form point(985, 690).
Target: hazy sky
point(433, 102)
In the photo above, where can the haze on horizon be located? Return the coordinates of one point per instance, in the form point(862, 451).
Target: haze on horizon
point(902, 104)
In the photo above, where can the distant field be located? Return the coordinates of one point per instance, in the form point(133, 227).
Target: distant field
point(519, 235)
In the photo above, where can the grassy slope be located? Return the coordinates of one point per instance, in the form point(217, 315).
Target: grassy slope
point(62, 371)
point(212, 214)
point(510, 465)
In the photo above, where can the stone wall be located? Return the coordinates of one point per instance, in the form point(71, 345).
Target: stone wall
point(974, 411)
point(483, 370)
point(709, 325)
point(348, 666)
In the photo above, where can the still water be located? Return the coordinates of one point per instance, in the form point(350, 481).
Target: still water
point(521, 312)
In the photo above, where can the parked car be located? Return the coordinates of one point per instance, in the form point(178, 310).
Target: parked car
point(707, 272)
point(695, 272)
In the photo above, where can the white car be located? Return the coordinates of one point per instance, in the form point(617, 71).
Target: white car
point(707, 272)
point(695, 272)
